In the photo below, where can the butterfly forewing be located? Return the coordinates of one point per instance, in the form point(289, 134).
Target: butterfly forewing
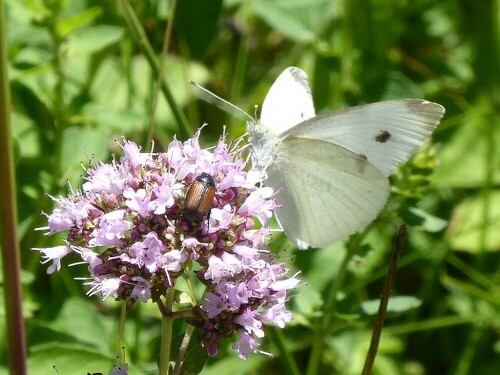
point(385, 133)
point(288, 101)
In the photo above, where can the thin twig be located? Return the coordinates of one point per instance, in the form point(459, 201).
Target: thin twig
point(384, 300)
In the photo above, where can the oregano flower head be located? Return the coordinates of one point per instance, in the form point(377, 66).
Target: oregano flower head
point(127, 224)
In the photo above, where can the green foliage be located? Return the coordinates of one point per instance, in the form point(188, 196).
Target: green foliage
point(475, 221)
point(79, 79)
point(396, 304)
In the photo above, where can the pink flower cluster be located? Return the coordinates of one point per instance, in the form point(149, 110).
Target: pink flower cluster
point(127, 223)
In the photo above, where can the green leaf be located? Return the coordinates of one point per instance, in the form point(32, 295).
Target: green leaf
point(397, 304)
point(299, 20)
point(111, 91)
point(320, 267)
point(80, 319)
point(195, 357)
point(464, 158)
point(419, 219)
point(88, 40)
point(71, 359)
point(475, 224)
point(400, 86)
point(80, 144)
point(25, 133)
point(120, 121)
point(19, 24)
point(71, 23)
point(68, 359)
point(470, 299)
point(33, 56)
point(308, 301)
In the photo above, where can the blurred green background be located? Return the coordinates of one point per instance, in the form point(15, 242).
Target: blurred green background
point(81, 76)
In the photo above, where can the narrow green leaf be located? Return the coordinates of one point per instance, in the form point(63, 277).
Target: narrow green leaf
point(71, 23)
point(396, 304)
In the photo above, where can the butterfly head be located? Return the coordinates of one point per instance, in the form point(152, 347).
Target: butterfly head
point(263, 143)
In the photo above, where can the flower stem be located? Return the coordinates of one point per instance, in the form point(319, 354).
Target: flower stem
point(167, 324)
point(8, 221)
point(121, 328)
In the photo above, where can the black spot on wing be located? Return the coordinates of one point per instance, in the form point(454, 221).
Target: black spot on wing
point(363, 156)
point(383, 136)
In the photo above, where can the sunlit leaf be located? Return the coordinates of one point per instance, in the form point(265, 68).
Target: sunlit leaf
point(75, 21)
point(120, 121)
point(91, 39)
point(475, 224)
point(80, 144)
point(422, 220)
point(71, 359)
point(24, 131)
point(299, 20)
point(308, 300)
point(80, 319)
point(465, 159)
point(397, 304)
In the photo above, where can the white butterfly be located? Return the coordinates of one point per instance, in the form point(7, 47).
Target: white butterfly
point(331, 170)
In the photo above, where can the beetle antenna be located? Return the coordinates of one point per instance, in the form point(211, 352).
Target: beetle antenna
point(210, 93)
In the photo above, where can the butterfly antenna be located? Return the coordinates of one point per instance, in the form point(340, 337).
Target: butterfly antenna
point(255, 110)
point(219, 98)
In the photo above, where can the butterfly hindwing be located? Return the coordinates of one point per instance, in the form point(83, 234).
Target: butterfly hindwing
point(326, 192)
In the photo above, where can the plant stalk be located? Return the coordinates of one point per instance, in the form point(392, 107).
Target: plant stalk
point(16, 342)
point(167, 324)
